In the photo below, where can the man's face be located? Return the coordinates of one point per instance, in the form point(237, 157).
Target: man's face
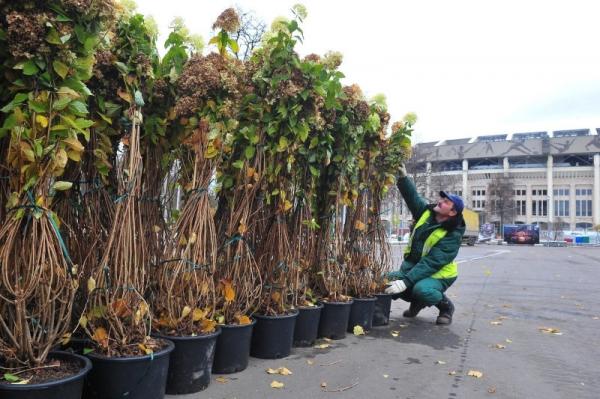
point(445, 207)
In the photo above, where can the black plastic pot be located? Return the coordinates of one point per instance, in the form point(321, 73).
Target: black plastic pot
point(361, 313)
point(233, 348)
point(307, 325)
point(66, 388)
point(381, 313)
point(191, 362)
point(273, 336)
point(334, 319)
point(139, 377)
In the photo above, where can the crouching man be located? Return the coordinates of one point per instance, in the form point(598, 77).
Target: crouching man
point(429, 269)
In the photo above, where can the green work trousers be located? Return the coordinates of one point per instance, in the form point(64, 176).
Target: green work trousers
point(426, 292)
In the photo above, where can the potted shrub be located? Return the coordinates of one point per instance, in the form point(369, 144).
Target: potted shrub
point(44, 120)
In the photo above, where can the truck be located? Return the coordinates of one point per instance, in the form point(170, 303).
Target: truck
point(472, 227)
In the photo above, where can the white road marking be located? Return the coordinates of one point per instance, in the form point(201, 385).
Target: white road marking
point(497, 252)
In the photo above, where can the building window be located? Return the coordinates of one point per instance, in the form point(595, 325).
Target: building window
point(561, 208)
point(539, 208)
point(474, 206)
point(583, 208)
point(521, 206)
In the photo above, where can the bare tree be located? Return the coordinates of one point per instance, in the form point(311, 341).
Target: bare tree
point(500, 200)
point(249, 34)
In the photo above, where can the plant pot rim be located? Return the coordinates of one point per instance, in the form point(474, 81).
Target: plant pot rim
point(294, 313)
point(383, 294)
point(338, 303)
point(253, 322)
point(163, 352)
point(87, 366)
point(318, 306)
point(188, 337)
point(367, 299)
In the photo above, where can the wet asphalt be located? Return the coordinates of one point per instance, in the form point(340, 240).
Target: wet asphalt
point(526, 326)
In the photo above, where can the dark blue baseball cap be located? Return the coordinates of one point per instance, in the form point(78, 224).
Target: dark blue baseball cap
point(456, 200)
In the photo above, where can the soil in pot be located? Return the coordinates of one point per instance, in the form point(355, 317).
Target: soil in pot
point(233, 348)
point(273, 336)
point(361, 313)
point(334, 319)
point(191, 362)
point(61, 378)
point(307, 325)
point(381, 313)
point(134, 377)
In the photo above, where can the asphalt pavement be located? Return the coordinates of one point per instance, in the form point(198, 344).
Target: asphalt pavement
point(525, 326)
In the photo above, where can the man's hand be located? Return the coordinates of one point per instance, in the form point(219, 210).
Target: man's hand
point(402, 171)
point(395, 287)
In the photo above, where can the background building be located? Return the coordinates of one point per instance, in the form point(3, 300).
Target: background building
point(547, 178)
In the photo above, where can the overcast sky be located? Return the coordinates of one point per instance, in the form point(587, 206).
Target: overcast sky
point(466, 68)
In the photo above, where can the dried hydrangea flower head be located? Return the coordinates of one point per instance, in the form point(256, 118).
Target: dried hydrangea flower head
point(229, 21)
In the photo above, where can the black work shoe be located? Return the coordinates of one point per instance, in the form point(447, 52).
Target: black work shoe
point(446, 308)
point(413, 310)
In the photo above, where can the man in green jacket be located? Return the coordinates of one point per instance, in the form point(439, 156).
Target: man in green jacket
point(429, 269)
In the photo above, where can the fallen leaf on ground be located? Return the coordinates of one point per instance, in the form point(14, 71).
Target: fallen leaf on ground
point(277, 384)
point(279, 370)
point(358, 330)
point(322, 346)
point(402, 325)
point(222, 380)
point(499, 346)
point(327, 339)
point(595, 318)
point(475, 373)
point(502, 317)
point(508, 341)
point(506, 306)
point(323, 384)
point(310, 362)
point(550, 330)
point(488, 272)
point(492, 389)
point(496, 323)
point(395, 333)
point(452, 372)
point(440, 362)
point(385, 376)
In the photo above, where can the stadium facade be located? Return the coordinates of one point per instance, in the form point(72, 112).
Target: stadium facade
point(555, 175)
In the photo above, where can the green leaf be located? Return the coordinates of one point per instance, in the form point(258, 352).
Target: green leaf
point(61, 69)
point(84, 123)
point(38, 106)
point(239, 164)
point(283, 144)
point(249, 152)
point(11, 377)
point(122, 67)
point(87, 350)
point(78, 107)
point(18, 99)
point(234, 46)
point(63, 18)
point(314, 171)
point(53, 37)
point(29, 68)
point(61, 103)
point(139, 99)
point(303, 132)
point(65, 38)
point(62, 185)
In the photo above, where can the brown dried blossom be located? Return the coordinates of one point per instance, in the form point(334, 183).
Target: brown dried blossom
point(228, 21)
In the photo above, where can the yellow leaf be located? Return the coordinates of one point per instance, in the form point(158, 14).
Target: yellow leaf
point(508, 341)
point(277, 384)
point(222, 380)
point(395, 333)
point(193, 238)
point(496, 323)
point(475, 373)
point(440, 362)
point(322, 346)
point(499, 346)
point(145, 349)
point(360, 226)
point(156, 229)
point(182, 240)
point(73, 144)
point(550, 330)
point(198, 314)
point(186, 311)
point(74, 155)
point(385, 376)
point(287, 205)
point(60, 158)
point(243, 320)
point(208, 326)
point(91, 284)
point(242, 229)
point(309, 362)
point(42, 120)
point(279, 370)
point(124, 95)
point(358, 330)
point(83, 320)
point(228, 291)
point(276, 296)
point(271, 371)
point(65, 339)
point(323, 384)
point(101, 337)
